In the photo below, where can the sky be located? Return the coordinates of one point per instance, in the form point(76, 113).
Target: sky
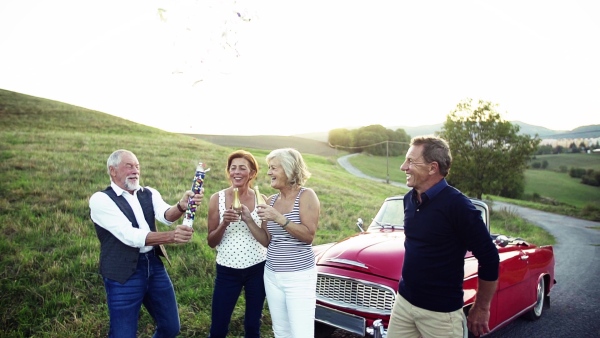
point(267, 67)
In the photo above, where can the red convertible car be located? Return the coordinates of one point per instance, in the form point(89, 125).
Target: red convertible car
point(358, 276)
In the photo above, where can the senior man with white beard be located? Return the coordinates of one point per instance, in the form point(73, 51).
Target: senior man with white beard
point(124, 215)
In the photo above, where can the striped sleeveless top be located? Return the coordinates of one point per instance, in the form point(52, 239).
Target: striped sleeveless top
point(286, 253)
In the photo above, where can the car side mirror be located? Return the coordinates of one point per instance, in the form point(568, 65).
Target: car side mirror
point(359, 224)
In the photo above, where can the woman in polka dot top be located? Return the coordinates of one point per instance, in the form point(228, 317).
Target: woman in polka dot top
point(240, 257)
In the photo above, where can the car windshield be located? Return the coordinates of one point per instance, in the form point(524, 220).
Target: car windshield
point(390, 215)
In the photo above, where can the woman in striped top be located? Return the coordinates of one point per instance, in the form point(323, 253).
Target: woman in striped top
point(291, 218)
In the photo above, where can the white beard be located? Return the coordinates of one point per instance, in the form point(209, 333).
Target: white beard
point(132, 186)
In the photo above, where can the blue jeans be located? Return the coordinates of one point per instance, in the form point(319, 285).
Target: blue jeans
point(228, 286)
point(149, 285)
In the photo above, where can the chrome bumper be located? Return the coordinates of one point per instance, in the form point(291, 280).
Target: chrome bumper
point(349, 322)
point(377, 330)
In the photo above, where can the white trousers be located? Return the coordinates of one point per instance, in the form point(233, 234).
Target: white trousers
point(292, 301)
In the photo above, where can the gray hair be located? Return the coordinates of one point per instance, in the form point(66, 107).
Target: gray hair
point(435, 149)
point(115, 159)
point(292, 163)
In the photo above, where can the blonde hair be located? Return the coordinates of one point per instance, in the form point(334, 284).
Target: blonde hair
point(292, 163)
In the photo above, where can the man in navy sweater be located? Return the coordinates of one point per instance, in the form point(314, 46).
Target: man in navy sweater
point(441, 225)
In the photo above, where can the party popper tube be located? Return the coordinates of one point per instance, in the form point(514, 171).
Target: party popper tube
point(197, 183)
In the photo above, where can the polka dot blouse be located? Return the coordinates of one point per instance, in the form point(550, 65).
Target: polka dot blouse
point(238, 248)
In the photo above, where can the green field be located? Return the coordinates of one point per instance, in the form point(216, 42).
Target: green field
point(380, 167)
point(53, 158)
point(561, 187)
point(555, 162)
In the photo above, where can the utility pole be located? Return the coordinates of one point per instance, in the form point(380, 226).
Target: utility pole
point(387, 161)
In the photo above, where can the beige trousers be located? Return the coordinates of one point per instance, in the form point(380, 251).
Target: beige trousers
point(409, 321)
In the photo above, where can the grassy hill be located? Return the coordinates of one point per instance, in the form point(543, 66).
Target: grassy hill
point(302, 144)
point(53, 158)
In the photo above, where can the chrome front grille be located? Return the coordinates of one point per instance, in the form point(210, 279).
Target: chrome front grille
point(355, 294)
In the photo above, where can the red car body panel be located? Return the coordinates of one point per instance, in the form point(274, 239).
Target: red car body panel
point(372, 261)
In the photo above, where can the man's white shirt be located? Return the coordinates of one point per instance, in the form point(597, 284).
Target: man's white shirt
point(105, 212)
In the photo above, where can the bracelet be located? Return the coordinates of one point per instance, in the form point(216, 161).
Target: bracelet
point(179, 207)
point(287, 221)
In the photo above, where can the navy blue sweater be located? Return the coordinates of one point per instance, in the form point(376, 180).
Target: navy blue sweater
point(439, 231)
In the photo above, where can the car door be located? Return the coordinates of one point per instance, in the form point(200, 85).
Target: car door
point(512, 282)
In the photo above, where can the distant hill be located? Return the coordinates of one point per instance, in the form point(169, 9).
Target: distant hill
point(302, 144)
point(591, 131)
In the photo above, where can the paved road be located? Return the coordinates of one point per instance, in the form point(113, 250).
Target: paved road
point(575, 299)
point(344, 161)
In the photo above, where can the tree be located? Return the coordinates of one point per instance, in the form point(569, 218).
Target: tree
point(573, 148)
point(371, 142)
point(374, 139)
point(544, 149)
point(401, 141)
point(489, 156)
point(558, 150)
point(339, 137)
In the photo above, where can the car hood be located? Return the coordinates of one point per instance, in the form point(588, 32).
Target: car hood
point(377, 253)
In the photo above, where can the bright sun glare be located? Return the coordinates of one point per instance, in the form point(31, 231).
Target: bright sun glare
point(272, 67)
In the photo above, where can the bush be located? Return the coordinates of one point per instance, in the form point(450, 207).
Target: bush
point(591, 178)
point(591, 212)
point(577, 172)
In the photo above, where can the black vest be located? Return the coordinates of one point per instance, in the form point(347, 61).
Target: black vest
point(118, 261)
